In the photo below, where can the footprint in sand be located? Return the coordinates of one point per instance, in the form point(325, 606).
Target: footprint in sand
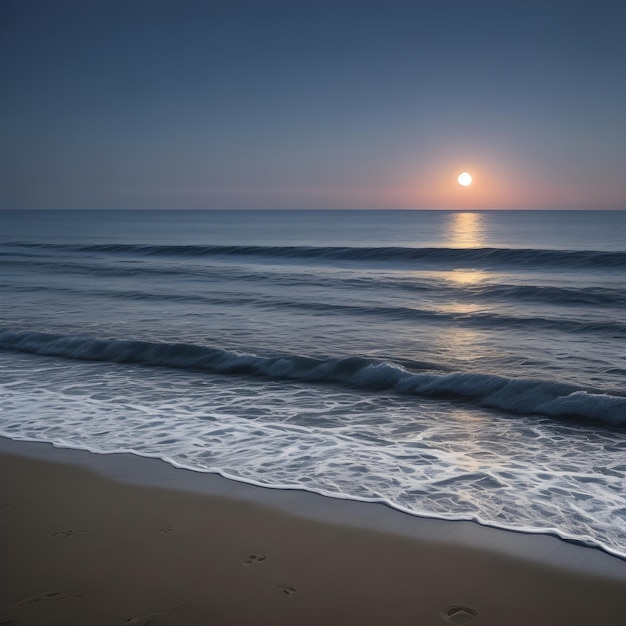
point(288, 591)
point(22, 602)
point(32, 599)
point(253, 558)
point(68, 533)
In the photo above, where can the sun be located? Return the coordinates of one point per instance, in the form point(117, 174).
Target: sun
point(465, 179)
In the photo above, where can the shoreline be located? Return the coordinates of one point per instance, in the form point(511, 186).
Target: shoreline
point(149, 471)
point(118, 538)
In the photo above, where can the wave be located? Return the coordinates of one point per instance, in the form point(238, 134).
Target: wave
point(479, 319)
point(541, 397)
point(483, 257)
point(483, 290)
point(600, 296)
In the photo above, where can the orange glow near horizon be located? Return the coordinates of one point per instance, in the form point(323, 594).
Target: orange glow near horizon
point(493, 183)
point(500, 180)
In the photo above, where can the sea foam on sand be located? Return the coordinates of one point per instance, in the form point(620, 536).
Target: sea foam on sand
point(119, 539)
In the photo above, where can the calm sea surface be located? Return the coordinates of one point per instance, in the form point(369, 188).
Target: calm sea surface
point(463, 365)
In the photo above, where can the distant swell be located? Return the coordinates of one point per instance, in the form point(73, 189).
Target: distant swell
point(515, 395)
point(484, 257)
point(482, 290)
point(385, 313)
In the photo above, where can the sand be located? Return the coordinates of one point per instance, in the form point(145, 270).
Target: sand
point(116, 539)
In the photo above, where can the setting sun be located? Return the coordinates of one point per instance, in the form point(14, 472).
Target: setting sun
point(465, 179)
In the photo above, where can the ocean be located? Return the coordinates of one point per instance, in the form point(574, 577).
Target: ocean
point(457, 365)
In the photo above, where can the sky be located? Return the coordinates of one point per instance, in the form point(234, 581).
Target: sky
point(312, 104)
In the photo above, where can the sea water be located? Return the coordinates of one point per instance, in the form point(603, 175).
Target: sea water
point(462, 365)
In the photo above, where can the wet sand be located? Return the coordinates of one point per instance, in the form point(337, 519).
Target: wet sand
point(117, 539)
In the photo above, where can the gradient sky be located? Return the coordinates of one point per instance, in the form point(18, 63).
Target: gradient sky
point(312, 104)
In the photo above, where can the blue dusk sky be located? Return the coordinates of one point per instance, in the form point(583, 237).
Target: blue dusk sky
point(312, 104)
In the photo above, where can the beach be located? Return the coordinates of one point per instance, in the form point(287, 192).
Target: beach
point(119, 539)
point(313, 313)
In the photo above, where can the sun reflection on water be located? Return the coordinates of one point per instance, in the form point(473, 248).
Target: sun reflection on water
point(467, 276)
point(466, 230)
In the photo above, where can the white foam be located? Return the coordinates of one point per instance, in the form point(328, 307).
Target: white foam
point(422, 457)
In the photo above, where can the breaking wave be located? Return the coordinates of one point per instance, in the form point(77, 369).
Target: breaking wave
point(515, 395)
